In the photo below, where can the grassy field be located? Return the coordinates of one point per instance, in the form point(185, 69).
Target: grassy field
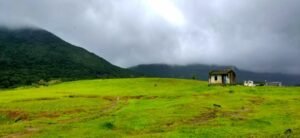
point(149, 108)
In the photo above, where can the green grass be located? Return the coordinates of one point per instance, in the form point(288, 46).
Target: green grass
point(149, 108)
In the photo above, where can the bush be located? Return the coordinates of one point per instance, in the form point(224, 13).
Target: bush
point(194, 77)
point(42, 82)
point(109, 125)
point(53, 82)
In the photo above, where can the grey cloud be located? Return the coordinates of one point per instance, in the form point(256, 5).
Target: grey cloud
point(258, 35)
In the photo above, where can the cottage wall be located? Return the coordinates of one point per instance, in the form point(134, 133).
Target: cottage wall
point(228, 80)
point(231, 78)
point(218, 81)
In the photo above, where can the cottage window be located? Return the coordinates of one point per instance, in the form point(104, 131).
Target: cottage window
point(216, 78)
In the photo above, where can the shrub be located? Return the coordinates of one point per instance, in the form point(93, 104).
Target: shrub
point(109, 125)
point(53, 82)
point(42, 82)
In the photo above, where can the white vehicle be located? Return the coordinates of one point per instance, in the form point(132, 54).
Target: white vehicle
point(249, 83)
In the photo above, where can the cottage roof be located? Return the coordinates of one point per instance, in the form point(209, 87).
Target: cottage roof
point(220, 72)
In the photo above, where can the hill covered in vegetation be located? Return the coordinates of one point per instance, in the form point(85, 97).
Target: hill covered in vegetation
point(30, 55)
point(149, 108)
point(198, 71)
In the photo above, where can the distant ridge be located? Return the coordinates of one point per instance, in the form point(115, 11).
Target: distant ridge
point(200, 72)
point(28, 55)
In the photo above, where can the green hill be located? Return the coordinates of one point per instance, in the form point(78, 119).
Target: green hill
point(149, 108)
point(30, 55)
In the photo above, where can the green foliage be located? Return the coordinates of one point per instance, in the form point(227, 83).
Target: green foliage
point(28, 56)
point(194, 77)
point(53, 82)
point(42, 82)
point(108, 125)
point(150, 107)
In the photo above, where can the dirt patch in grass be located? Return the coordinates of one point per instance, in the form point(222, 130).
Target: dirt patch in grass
point(213, 113)
point(235, 115)
point(58, 114)
point(133, 97)
point(15, 115)
point(110, 98)
point(48, 115)
point(257, 100)
point(113, 98)
point(83, 96)
point(153, 97)
point(204, 117)
point(26, 133)
point(139, 97)
point(74, 111)
point(117, 98)
point(206, 95)
point(37, 99)
point(95, 113)
point(92, 114)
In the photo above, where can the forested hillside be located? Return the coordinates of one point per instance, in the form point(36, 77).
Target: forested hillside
point(30, 55)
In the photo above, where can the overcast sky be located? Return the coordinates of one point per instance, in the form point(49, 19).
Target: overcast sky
point(257, 35)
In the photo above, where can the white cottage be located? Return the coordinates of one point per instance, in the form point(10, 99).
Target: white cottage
point(223, 77)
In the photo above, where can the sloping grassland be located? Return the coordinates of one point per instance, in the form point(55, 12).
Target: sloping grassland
point(149, 108)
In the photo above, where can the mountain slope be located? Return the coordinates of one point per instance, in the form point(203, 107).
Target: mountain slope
point(29, 55)
point(201, 72)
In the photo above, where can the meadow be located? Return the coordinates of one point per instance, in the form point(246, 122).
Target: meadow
point(149, 107)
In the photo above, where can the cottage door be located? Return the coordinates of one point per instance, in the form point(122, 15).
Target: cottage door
point(223, 79)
